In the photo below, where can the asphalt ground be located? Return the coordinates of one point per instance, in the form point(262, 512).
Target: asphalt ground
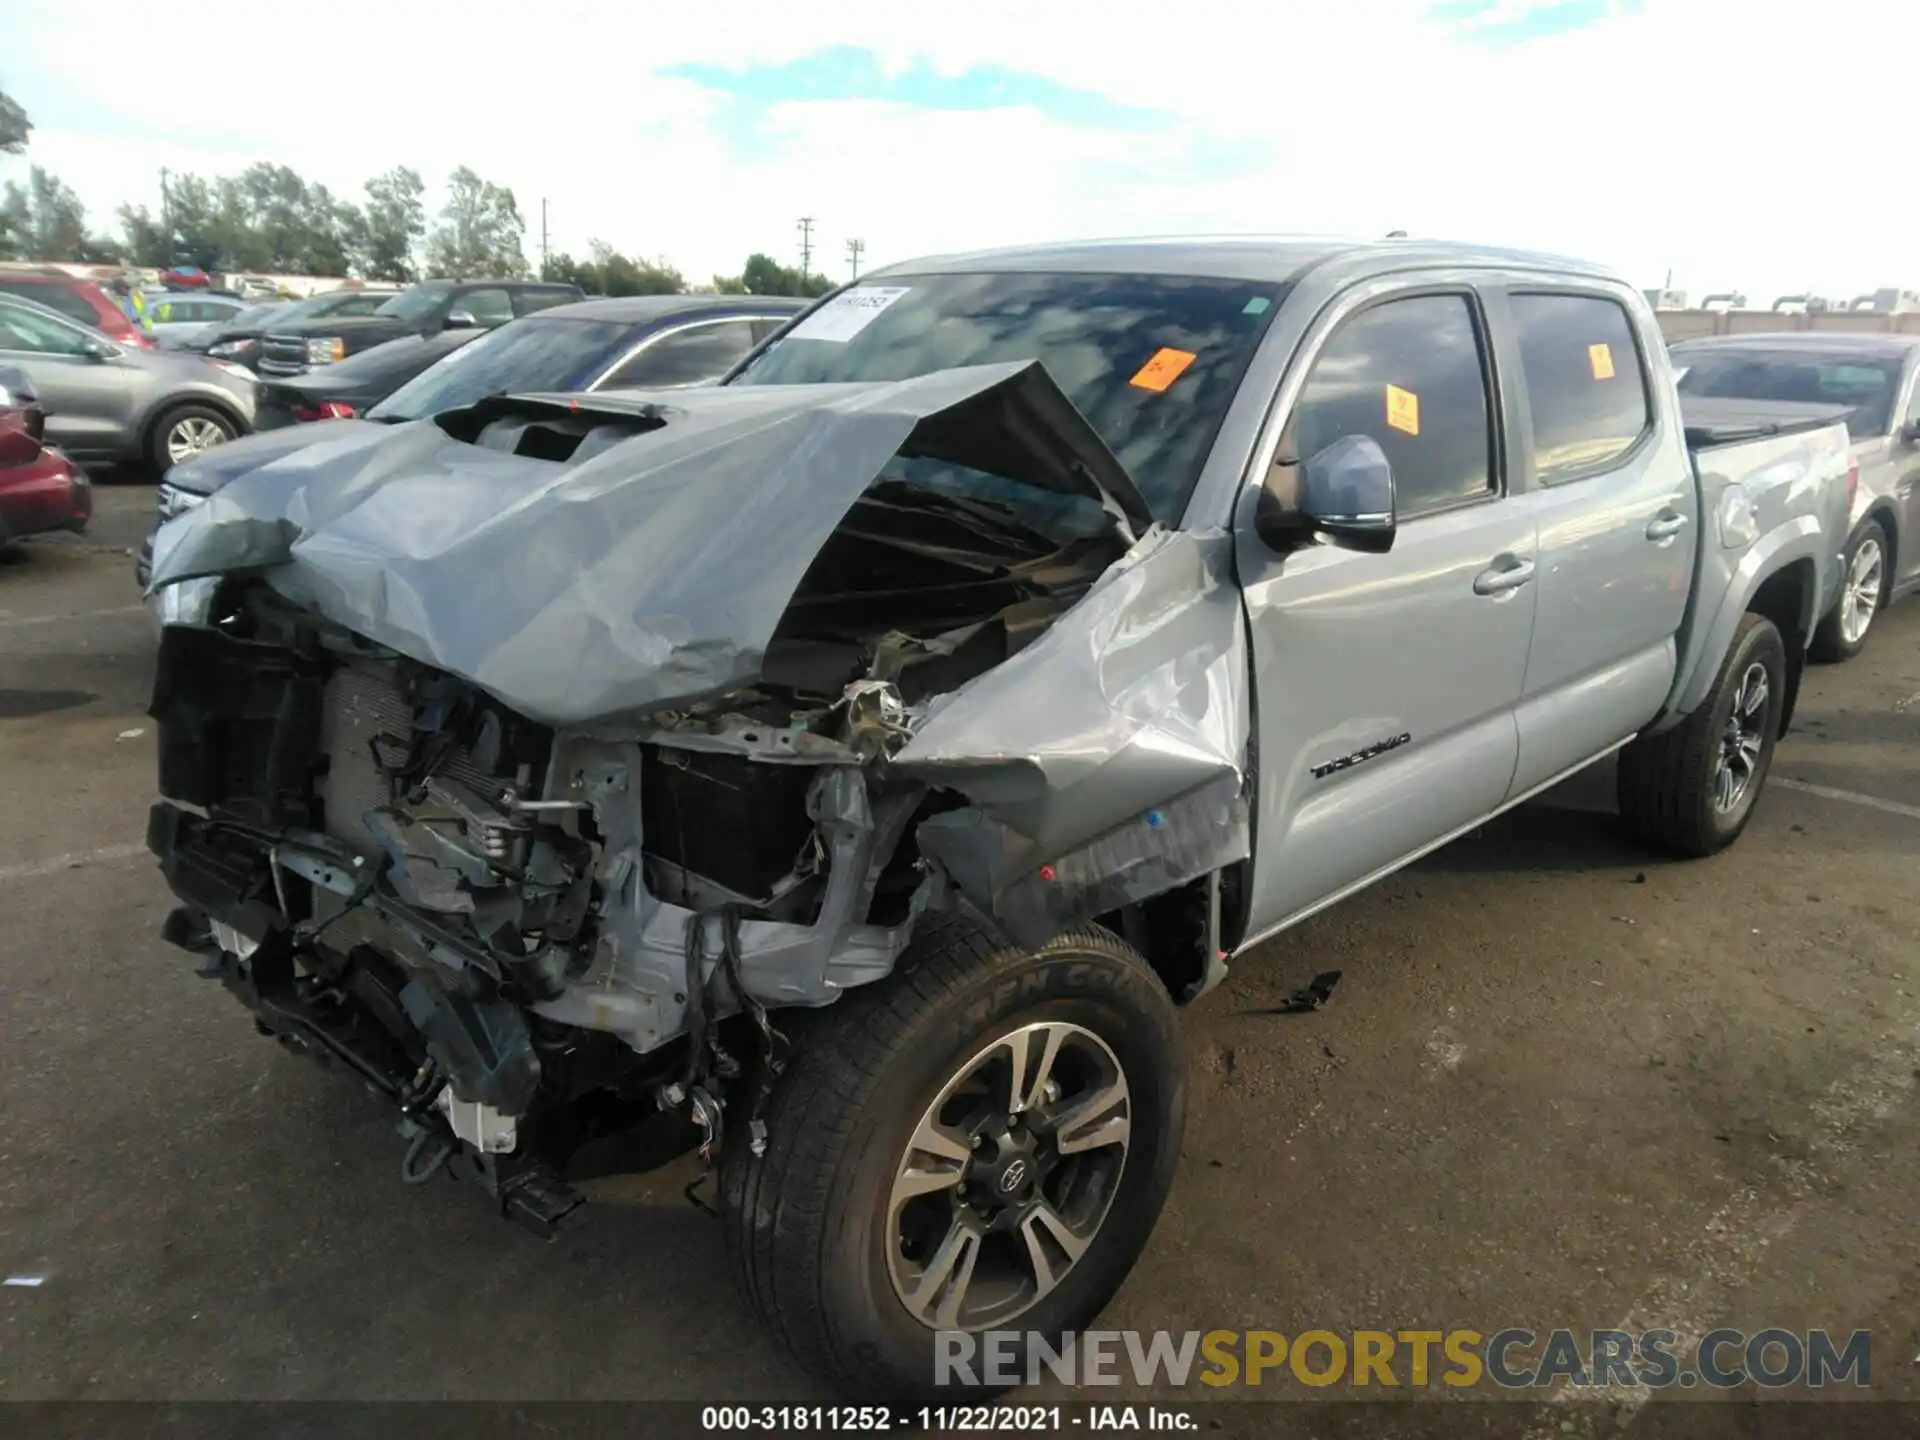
point(1561, 1083)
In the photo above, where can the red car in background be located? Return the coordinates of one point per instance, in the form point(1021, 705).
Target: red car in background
point(40, 489)
point(80, 300)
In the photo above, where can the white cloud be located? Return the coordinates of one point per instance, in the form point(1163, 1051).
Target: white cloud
point(1755, 144)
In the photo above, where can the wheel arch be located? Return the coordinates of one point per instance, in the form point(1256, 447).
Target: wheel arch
point(1883, 514)
point(1787, 597)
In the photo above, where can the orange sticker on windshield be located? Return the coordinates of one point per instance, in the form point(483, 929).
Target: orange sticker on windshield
point(1162, 370)
point(1403, 410)
point(1600, 357)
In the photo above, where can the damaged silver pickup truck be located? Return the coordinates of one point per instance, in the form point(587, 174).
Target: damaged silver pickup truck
point(855, 764)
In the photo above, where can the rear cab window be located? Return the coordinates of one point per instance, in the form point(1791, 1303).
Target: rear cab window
point(1410, 373)
point(1586, 387)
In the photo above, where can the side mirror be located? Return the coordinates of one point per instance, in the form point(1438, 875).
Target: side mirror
point(1910, 433)
point(1343, 494)
point(461, 320)
point(97, 351)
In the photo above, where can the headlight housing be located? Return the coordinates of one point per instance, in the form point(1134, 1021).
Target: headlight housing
point(326, 350)
point(226, 348)
point(171, 500)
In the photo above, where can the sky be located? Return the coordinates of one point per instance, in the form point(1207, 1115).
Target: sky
point(1759, 145)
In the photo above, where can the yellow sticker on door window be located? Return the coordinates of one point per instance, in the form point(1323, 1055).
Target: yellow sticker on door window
point(1600, 357)
point(1403, 410)
point(1165, 367)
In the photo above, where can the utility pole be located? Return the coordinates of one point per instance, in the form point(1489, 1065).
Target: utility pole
point(806, 246)
point(166, 215)
point(854, 247)
point(543, 237)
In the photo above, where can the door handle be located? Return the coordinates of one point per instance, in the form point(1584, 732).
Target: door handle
point(1666, 525)
point(1503, 578)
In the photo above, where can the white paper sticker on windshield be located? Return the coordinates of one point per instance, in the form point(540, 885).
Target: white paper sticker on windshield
point(847, 314)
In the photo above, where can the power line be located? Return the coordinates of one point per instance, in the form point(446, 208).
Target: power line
point(806, 247)
point(854, 249)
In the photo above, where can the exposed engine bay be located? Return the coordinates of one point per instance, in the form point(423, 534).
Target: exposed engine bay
point(532, 934)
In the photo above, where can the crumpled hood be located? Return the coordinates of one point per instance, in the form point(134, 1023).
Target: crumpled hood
point(652, 565)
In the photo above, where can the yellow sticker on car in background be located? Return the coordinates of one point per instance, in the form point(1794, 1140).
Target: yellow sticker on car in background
point(1403, 410)
point(1600, 357)
point(1162, 370)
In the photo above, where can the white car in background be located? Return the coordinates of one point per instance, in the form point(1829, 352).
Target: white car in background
point(176, 320)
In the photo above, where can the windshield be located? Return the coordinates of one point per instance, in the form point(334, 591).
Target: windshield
point(415, 304)
point(1864, 383)
point(526, 356)
point(1151, 360)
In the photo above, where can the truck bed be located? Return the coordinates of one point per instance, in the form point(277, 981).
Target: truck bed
point(1709, 421)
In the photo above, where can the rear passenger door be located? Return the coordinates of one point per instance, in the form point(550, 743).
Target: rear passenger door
point(1613, 499)
point(1385, 684)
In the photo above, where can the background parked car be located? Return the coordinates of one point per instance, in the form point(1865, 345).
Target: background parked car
point(356, 384)
point(295, 345)
point(40, 489)
point(108, 401)
point(1877, 377)
point(643, 342)
point(238, 341)
point(176, 320)
point(78, 300)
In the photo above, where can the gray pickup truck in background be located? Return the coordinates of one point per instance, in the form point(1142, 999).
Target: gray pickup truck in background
point(858, 762)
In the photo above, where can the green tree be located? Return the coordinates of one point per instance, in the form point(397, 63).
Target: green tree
point(43, 219)
point(479, 233)
point(143, 238)
point(563, 269)
point(763, 275)
point(395, 222)
point(15, 127)
point(617, 274)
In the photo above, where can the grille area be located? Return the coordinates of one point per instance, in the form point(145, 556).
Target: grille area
point(283, 355)
point(362, 706)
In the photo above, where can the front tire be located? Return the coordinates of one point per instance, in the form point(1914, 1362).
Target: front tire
point(1692, 789)
point(983, 1140)
point(1842, 634)
point(184, 432)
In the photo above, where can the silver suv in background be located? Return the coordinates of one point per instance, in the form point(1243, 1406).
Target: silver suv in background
point(1877, 379)
point(107, 401)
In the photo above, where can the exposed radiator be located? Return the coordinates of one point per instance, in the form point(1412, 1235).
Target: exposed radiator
point(363, 706)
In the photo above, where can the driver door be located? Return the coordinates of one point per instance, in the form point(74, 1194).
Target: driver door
point(1386, 684)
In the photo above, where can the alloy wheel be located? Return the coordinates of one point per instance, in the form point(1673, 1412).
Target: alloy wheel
point(1008, 1177)
point(1861, 598)
point(1743, 741)
point(192, 435)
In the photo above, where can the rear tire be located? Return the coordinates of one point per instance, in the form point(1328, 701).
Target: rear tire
point(1864, 590)
point(835, 1232)
point(186, 431)
point(1692, 789)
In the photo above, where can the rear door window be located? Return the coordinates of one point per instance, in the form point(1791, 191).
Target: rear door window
point(1586, 393)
